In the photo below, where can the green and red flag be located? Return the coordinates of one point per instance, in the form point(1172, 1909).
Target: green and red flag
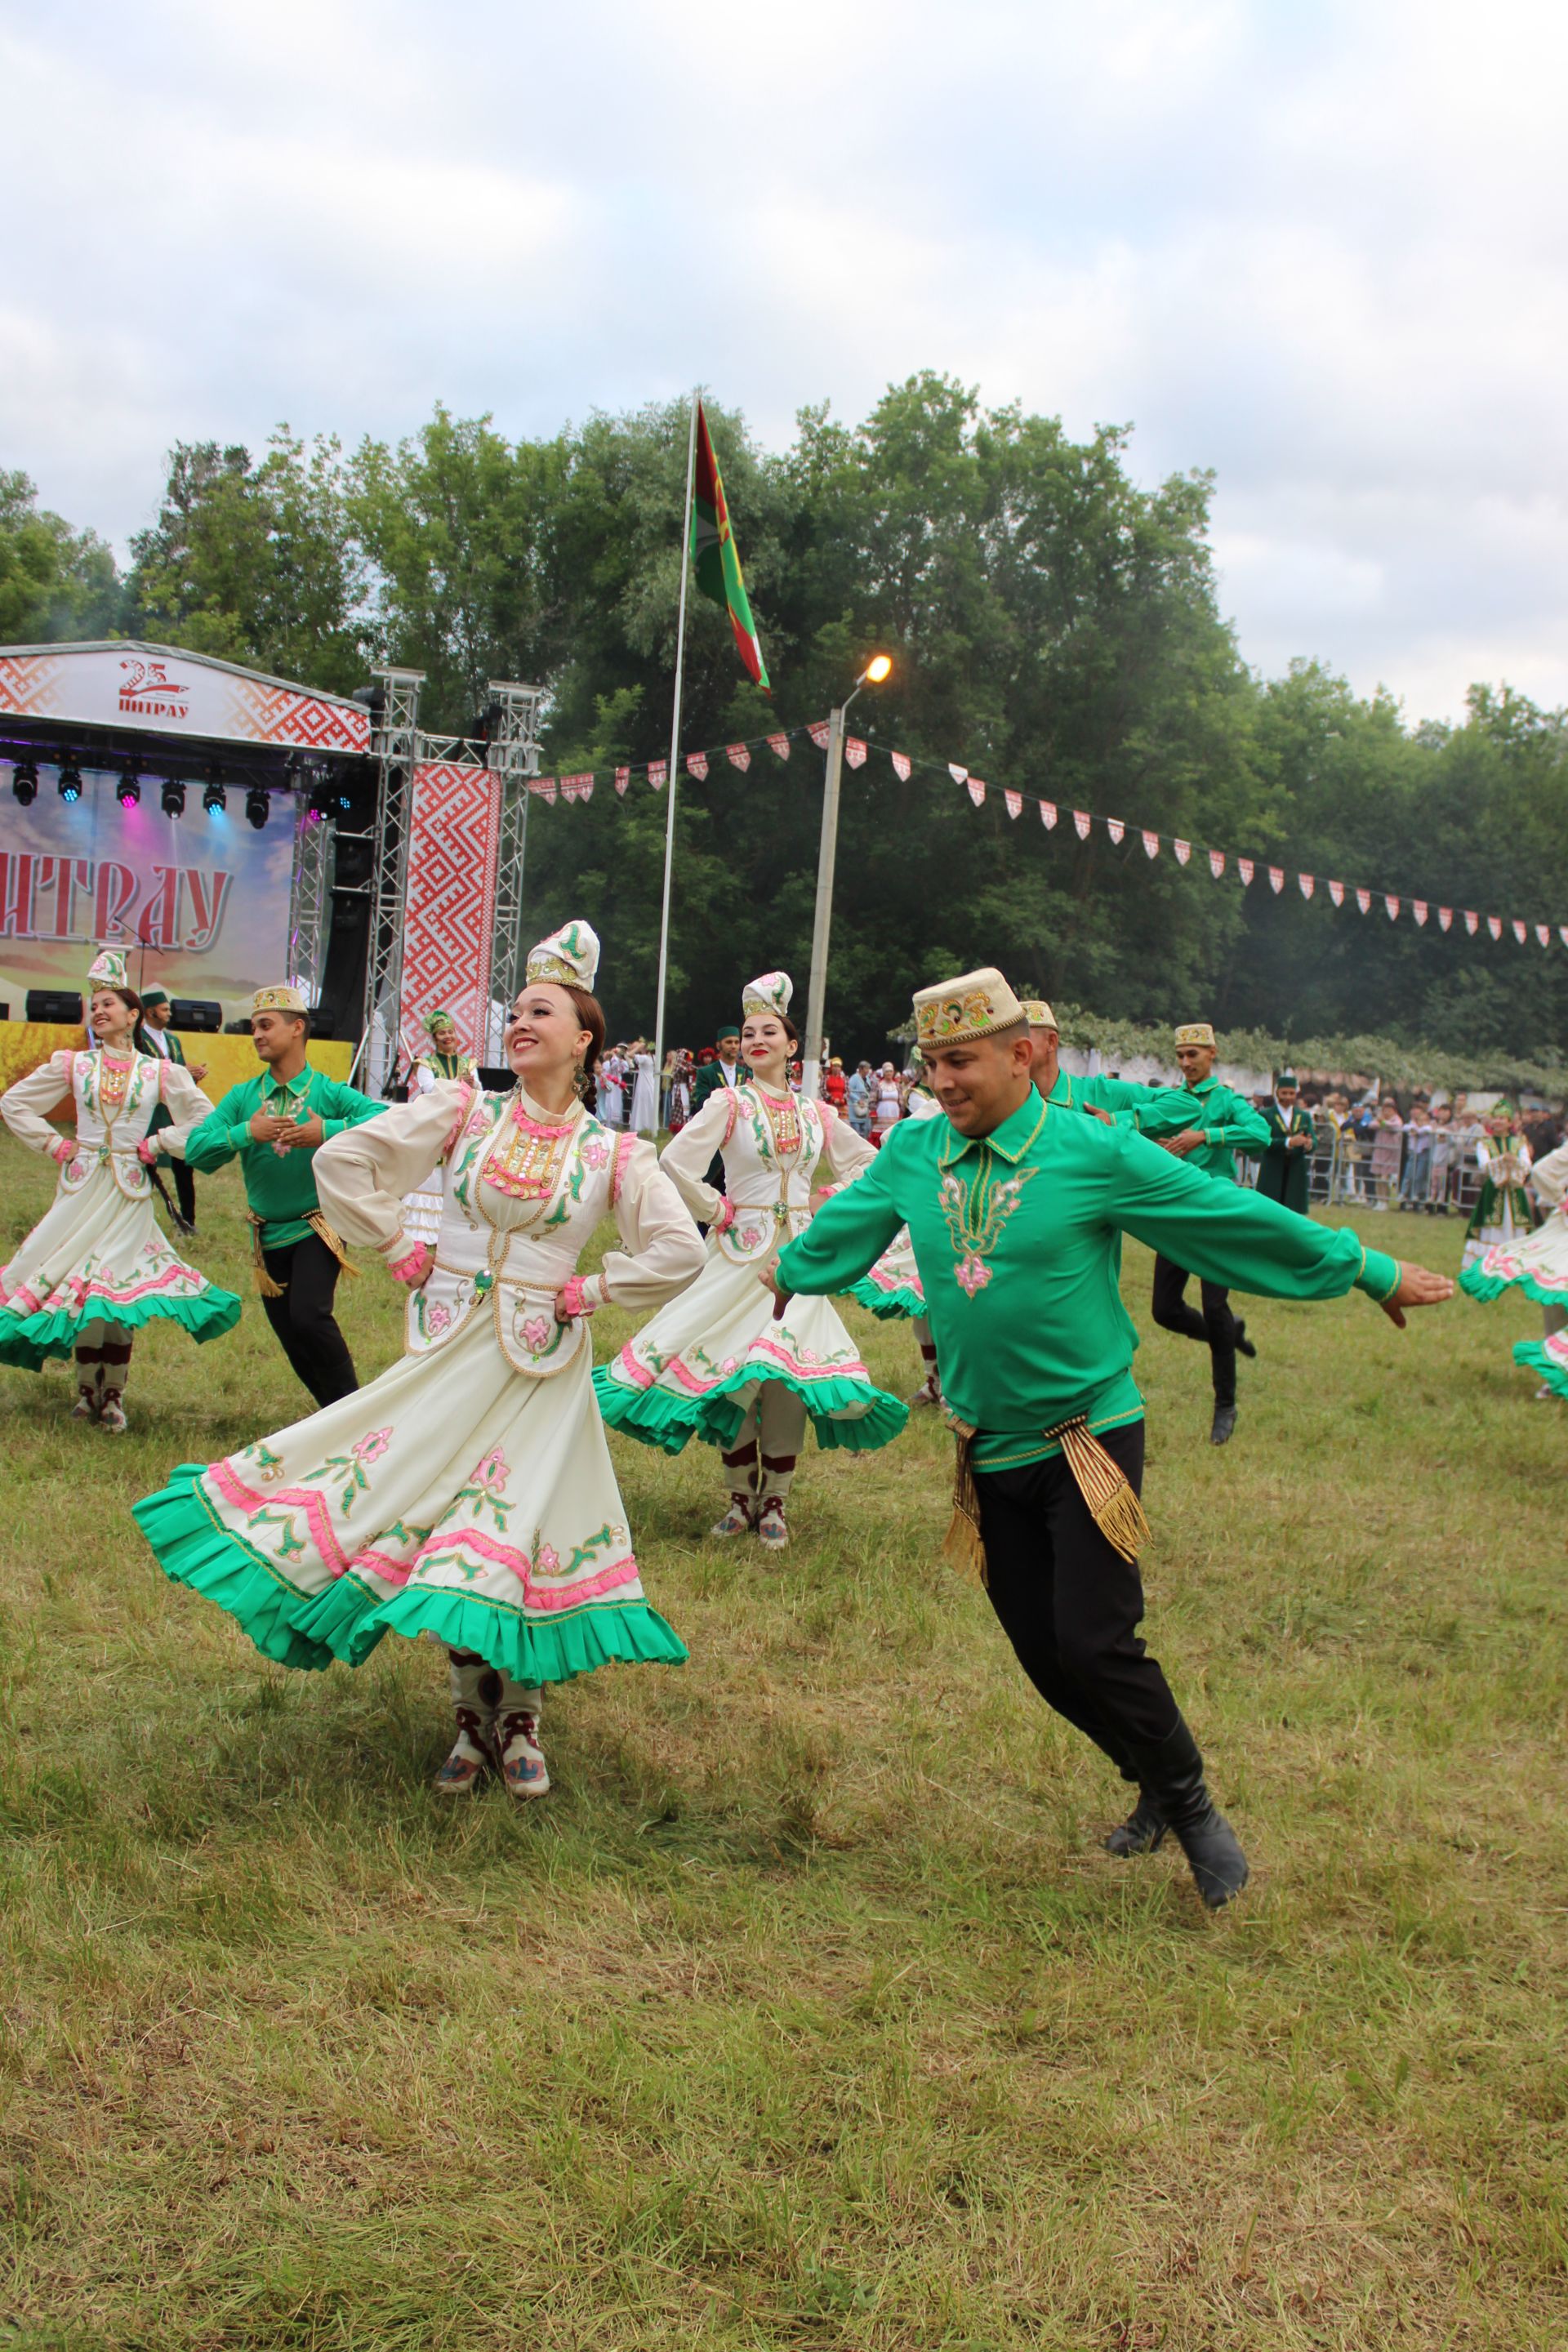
point(714, 552)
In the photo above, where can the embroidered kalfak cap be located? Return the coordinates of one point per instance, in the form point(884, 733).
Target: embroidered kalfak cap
point(107, 970)
point(283, 998)
point(771, 993)
point(975, 1005)
point(1195, 1032)
point(1038, 1014)
point(570, 957)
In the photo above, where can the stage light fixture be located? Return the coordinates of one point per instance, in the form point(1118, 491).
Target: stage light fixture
point(130, 789)
point(257, 806)
point(69, 779)
point(172, 796)
point(214, 800)
point(25, 782)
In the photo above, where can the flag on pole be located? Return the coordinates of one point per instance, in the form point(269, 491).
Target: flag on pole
point(716, 557)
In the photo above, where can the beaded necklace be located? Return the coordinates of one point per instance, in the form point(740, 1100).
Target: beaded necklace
point(526, 1158)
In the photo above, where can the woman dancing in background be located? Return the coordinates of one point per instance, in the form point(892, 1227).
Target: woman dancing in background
point(97, 1268)
point(444, 1059)
point(893, 1290)
point(714, 1364)
point(1537, 1264)
point(468, 1492)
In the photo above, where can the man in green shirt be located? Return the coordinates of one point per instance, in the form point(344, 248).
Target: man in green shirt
point(274, 1122)
point(1159, 1111)
point(1224, 1126)
point(1015, 1208)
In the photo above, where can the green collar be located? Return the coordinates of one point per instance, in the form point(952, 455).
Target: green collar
point(1010, 1140)
point(1203, 1087)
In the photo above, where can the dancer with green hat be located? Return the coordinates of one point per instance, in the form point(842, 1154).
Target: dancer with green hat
point(1015, 1208)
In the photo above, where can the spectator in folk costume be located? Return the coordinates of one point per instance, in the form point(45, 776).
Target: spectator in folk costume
point(469, 1493)
point(1015, 1208)
point(157, 1015)
point(1284, 1161)
point(834, 1085)
point(95, 1268)
point(712, 1364)
point(1504, 1212)
point(1536, 1264)
point(886, 1103)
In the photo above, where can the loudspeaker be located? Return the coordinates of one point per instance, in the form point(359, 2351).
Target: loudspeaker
point(196, 1012)
point(496, 1079)
point(54, 1005)
point(324, 1021)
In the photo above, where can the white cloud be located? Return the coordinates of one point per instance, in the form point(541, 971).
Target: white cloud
point(1320, 250)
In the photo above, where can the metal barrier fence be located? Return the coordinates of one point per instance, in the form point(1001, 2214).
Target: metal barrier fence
point(1439, 1176)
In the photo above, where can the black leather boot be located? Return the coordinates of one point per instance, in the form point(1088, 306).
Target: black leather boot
point(1172, 1774)
point(1142, 1831)
point(1244, 1346)
point(1224, 1424)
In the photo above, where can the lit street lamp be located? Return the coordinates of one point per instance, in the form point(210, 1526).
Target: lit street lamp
point(876, 672)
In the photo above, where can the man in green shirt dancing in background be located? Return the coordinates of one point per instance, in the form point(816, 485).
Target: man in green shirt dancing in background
point(274, 1123)
point(1015, 1208)
point(1224, 1126)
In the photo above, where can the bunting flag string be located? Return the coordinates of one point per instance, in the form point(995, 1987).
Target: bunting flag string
point(858, 751)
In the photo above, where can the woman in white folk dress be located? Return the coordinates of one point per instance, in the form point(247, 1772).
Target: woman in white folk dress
point(1535, 1264)
point(468, 1493)
point(96, 1268)
point(713, 1363)
point(893, 1290)
point(443, 1058)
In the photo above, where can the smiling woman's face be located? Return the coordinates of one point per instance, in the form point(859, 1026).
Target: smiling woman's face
point(764, 1041)
point(545, 1038)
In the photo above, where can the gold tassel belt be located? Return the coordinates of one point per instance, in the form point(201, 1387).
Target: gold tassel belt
point(1113, 1504)
point(266, 1288)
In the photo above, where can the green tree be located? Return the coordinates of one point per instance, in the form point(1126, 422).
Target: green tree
point(55, 582)
point(256, 563)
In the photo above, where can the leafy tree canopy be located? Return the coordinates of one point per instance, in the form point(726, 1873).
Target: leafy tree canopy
point(1054, 625)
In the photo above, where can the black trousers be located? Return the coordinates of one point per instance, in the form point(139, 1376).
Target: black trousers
point(185, 1189)
point(1217, 1323)
point(302, 1317)
point(1070, 1605)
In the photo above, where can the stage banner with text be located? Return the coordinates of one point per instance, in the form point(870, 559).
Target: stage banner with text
point(200, 901)
point(453, 841)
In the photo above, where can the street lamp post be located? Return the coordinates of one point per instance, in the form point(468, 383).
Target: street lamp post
point(876, 671)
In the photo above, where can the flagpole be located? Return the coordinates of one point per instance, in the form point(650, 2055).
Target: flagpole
point(674, 758)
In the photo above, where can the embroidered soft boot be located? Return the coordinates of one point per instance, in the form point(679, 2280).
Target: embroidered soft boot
point(741, 1469)
point(476, 1688)
point(522, 1765)
point(778, 1474)
point(930, 1390)
point(114, 1369)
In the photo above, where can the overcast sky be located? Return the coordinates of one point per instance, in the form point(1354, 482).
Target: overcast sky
point(1318, 247)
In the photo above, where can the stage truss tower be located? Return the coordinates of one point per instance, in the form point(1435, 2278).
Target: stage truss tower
point(396, 743)
point(514, 760)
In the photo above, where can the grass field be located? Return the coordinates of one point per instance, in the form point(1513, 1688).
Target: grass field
point(808, 2013)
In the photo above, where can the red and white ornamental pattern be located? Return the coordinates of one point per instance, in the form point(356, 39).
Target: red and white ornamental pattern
point(453, 838)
